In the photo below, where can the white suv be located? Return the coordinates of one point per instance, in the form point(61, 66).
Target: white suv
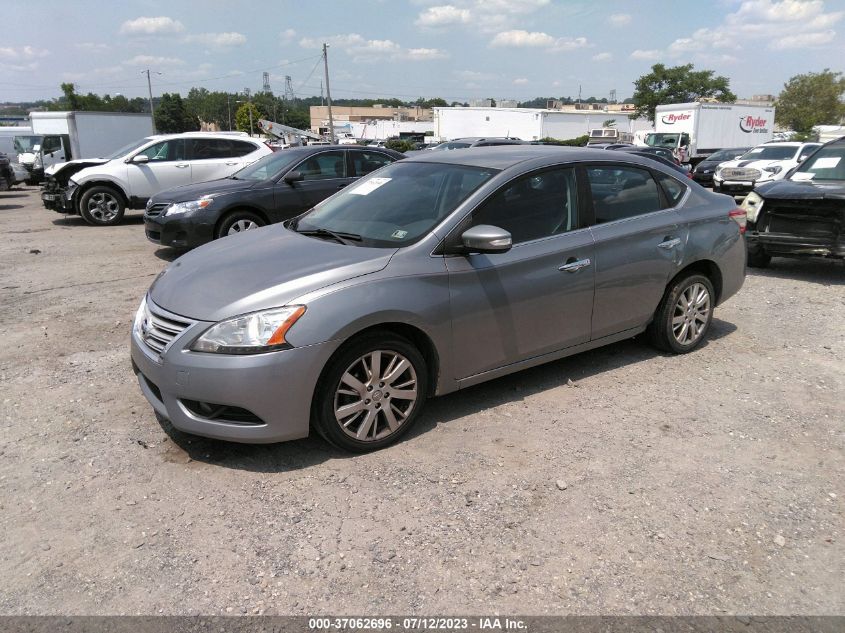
point(100, 190)
point(763, 163)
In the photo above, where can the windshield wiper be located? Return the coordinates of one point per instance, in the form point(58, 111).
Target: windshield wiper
point(343, 238)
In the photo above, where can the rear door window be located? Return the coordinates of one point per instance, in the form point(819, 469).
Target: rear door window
point(673, 189)
point(365, 162)
point(323, 166)
point(622, 192)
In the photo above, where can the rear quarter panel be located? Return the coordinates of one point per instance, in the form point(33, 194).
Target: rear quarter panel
point(714, 236)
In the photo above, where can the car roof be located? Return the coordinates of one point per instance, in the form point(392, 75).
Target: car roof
point(240, 136)
point(305, 150)
point(505, 156)
point(785, 143)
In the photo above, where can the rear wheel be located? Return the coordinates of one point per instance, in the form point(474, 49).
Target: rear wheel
point(371, 393)
point(684, 315)
point(238, 222)
point(102, 206)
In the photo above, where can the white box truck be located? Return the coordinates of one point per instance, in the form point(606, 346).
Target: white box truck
point(69, 136)
point(693, 131)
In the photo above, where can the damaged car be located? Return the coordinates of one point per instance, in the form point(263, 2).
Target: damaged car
point(102, 189)
point(802, 215)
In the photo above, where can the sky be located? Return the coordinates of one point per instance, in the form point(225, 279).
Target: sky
point(454, 49)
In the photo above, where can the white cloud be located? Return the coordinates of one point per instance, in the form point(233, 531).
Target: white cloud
point(218, 40)
point(364, 50)
point(23, 59)
point(569, 43)
point(420, 54)
point(775, 24)
point(521, 38)
point(93, 47)
point(151, 60)
point(646, 54)
point(287, 35)
point(520, 81)
point(473, 75)
point(620, 19)
point(161, 25)
point(442, 16)
point(484, 15)
point(603, 57)
point(23, 53)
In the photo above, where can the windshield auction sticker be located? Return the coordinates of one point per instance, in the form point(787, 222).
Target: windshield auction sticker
point(369, 186)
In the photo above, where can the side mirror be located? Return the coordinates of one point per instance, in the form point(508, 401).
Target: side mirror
point(293, 176)
point(487, 239)
point(140, 159)
point(801, 159)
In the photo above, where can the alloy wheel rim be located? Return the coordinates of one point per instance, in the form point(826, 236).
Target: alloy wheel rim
point(103, 207)
point(242, 225)
point(375, 395)
point(691, 314)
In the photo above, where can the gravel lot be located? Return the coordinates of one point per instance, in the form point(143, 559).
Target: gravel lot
point(620, 481)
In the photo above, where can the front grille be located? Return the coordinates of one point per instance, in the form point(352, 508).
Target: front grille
point(158, 330)
point(740, 173)
point(810, 218)
point(156, 209)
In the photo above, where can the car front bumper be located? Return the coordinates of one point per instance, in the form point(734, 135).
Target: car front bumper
point(256, 398)
point(183, 231)
point(705, 179)
point(58, 198)
point(791, 245)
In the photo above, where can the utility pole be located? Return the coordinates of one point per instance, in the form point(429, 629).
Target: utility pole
point(328, 92)
point(229, 111)
point(150, 89)
point(249, 102)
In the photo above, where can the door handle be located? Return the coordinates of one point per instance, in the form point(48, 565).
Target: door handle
point(342, 186)
point(182, 165)
point(574, 265)
point(232, 162)
point(670, 243)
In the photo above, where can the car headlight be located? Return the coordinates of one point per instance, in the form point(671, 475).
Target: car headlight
point(140, 315)
point(775, 169)
point(752, 205)
point(178, 208)
point(250, 333)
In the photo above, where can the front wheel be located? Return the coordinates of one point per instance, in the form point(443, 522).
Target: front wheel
point(371, 393)
point(102, 206)
point(684, 315)
point(238, 222)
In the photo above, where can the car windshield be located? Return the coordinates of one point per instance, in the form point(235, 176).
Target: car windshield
point(771, 152)
point(126, 149)
point(826, 164)
point(662, 140)
point(26, 144)
point(268, 166)
point(396, 207)
point(726, 154)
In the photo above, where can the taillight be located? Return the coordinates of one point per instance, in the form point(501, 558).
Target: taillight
point(739, 216)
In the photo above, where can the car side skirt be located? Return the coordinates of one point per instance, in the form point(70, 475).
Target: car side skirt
point(546, 358)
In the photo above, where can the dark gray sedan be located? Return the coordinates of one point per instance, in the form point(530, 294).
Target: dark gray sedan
point(433, 274)
point(275, 188)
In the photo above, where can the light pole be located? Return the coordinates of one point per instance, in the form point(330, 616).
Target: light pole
point(150, 89)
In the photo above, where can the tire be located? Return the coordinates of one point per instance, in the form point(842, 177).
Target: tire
point(365, 424)
point(238, 222)
point(667, 331)
point(758, 258)
point(102, 206)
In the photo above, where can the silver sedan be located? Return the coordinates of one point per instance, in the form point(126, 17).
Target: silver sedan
point(432, 274)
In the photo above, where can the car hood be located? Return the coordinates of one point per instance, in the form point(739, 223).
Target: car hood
point(197, 190)
point(756, 164)
point(803, 190)
point(256, 270)
point(74, 165)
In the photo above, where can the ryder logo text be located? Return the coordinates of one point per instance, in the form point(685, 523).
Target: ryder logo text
point(753, 125)
point(671, 119)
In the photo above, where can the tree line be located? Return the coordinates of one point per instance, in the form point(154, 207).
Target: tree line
point(807, 100)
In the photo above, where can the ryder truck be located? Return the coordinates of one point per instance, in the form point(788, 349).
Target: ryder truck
point(693, 131)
